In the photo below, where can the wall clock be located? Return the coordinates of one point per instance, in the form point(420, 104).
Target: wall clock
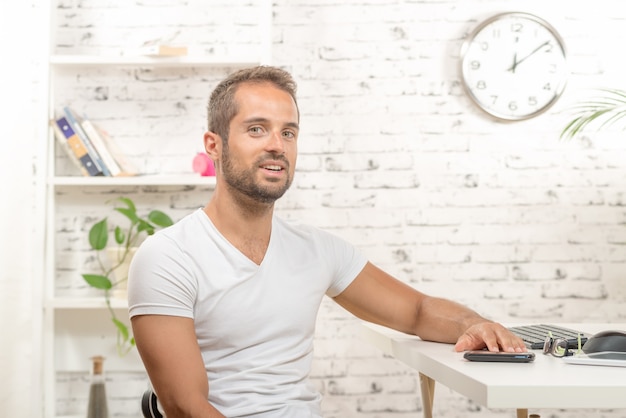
point(513, 66)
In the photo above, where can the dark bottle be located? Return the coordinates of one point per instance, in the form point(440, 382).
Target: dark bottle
point(97, 407)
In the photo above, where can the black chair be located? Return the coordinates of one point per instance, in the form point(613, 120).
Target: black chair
point(150, 406)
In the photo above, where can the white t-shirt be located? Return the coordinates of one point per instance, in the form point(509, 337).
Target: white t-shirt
point(254, 323)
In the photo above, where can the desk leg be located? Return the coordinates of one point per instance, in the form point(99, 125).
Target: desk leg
point(427, 385)
point(428, 393)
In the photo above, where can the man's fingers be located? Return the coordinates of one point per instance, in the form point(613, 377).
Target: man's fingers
point(491, 335)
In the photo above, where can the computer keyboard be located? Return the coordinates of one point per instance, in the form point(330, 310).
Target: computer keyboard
point(535, 335)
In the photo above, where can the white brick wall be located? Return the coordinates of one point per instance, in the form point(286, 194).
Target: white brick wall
point(504, 217)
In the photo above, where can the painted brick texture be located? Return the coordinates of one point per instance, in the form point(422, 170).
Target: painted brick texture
point(394, 157)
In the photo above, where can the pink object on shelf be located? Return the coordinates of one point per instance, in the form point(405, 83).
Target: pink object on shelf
point(203, 165)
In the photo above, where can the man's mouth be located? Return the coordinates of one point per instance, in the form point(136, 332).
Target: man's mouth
point(273, 167)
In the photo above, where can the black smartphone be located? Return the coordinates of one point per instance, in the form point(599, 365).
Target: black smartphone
point(500, 356)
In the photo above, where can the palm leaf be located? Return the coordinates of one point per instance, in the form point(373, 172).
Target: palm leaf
point(607, 108)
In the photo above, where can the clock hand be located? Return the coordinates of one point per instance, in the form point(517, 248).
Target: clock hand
point(531, 54)
point(514, 65)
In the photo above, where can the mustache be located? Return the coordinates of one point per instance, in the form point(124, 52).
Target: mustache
point(273, 157)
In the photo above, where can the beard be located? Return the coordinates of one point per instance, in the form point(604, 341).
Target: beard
point(243, 180)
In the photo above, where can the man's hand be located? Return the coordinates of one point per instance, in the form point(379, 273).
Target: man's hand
point(491, 335)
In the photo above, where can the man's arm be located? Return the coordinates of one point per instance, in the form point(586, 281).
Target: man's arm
point(170, 353)
point(377, 297)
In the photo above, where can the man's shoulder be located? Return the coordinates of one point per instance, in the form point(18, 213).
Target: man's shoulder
point(295, 226)
point(304, 230)
point(193, 220)
point(176, 233)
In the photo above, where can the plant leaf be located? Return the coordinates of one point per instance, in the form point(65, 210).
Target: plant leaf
point(122, 328)
point(129, 203)
point(145, 226)
point(98, 281)
point(99, 235)
point(129, 213)
point(604, 110)
point(120, 236)
point(160, 218)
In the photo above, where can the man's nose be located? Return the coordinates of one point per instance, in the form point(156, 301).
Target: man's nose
point(276, 143)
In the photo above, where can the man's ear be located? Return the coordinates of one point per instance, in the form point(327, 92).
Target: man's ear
point(213, 145)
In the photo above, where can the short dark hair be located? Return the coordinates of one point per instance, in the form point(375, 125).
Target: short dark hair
point(222, 106)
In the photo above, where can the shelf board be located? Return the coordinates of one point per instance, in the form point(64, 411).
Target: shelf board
point(146, 180)
point(188, 60)
point(83, 416)
point(85, 303)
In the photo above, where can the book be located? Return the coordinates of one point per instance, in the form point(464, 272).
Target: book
point(91, 150)
point(126, 166)
point(77, 147)
point(62, 141)
point(98, 143)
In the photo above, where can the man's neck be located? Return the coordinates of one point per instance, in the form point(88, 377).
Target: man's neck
point(245, 223)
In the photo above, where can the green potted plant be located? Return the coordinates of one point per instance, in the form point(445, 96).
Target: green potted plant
point(126, 238)
point(606, 108)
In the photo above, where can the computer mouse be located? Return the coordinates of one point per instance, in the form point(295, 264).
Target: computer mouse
point(606, 341)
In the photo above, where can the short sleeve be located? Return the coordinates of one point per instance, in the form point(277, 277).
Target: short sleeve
point(159, 281)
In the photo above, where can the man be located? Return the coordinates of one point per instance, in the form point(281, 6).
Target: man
point(224, 303)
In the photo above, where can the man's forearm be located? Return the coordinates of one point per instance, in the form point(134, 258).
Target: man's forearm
point(191, 409)
point(443, 320)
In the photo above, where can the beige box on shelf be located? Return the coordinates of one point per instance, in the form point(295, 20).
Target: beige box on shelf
point(163, 50)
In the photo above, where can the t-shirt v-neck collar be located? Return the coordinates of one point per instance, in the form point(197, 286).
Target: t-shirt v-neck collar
point(225, 241)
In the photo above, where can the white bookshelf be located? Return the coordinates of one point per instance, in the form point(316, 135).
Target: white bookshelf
point(75, 324)
point(141, 180)
point(148, 61)
point(87, 303)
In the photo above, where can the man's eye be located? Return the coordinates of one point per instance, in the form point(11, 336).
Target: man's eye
point(289, 134)
point(255, 129)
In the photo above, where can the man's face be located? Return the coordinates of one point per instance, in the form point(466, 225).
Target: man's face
point(259, 158)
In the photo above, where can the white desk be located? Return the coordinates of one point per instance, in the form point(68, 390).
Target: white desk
point(545, 383)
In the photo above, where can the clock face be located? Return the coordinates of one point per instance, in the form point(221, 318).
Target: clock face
point(513, 66)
